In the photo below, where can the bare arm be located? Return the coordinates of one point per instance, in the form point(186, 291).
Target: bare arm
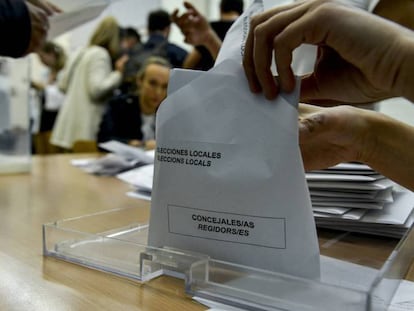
point(329, 136)
point(196, 29)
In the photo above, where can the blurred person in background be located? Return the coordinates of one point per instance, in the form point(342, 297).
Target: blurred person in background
point(130, 39)
point(24, 25)
point(49, 95)
point(89, 81)
point(205, 36)
point(131, 118)
point(159, 26)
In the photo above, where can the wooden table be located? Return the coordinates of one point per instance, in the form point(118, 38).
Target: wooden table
point(56, 190)
point(28, 281)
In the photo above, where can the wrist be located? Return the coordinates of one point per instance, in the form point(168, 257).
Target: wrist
point(369, 127)
point(404, 81)
point(212, 43)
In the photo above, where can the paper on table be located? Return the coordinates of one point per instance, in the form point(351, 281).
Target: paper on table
point(342, 177)
point(128, 152)
point(384, 195)
point(395, 213)
point(355, 186)
point(330, 210)
point(141, 177)
point(361, 205)
point(75, 13)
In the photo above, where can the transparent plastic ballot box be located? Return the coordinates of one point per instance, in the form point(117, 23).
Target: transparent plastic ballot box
point(357, 272)
point(15, 115)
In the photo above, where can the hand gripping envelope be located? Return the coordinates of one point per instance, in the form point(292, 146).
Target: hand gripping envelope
point(229, 180)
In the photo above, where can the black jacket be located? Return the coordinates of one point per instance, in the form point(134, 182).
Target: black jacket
point(15, 28)
point(122, 120)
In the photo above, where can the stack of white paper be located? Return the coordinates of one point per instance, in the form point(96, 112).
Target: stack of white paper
point(353, 197)
point(121, 158)
point(349, 197)
point(140, 180)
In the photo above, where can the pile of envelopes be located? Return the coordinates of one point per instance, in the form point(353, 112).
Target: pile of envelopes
point(353, 197)
point(348, 196)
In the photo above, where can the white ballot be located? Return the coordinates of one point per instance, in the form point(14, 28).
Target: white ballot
point(229, 180)
point(75, 13)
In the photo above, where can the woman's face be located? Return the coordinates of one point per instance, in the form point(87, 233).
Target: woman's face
point(48, 59)
point(153, 86)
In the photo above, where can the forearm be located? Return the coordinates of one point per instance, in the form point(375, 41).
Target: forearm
point(212, 44)
point(405, 80)
point(389, 148)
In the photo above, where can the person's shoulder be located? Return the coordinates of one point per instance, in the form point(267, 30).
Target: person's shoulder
point(175, 48)
point(96, 51)
point(123, 100)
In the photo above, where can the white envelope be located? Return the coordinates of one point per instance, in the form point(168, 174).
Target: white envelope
point(229, 180)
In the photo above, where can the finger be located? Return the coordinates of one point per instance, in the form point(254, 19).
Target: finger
point(259, 45)
point(309, 89)
point(191, 8)
point(54, 7)
point(174, 16)
point(42, 5)
point(304, 29)
point(248, 59)
point(262, 58)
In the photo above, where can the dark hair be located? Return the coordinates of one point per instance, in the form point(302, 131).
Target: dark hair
point(227, 6)
point(60, 56)
point(130, 32)
point(158, 20)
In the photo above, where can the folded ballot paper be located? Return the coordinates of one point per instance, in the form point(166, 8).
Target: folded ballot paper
point(229, 180)
point(75, 13)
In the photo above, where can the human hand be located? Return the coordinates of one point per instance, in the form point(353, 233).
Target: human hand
point(39, 25)
point(37, 85)
point(47, 6)
point(328, 136)
point(135, 143)
point(194, 26)
point(356, 62)
point(150, 144)
point(120, 63)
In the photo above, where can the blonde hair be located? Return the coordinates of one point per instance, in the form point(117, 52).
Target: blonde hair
point(152, 60)
point(106, 35)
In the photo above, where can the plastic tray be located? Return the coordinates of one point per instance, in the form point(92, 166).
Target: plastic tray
point(110, 242)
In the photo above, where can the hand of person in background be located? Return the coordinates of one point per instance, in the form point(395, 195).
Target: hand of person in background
point(39, 11)
point(120, 63)
point(39, 27)
point(47, 6)
point(356, 62)
point(196, 29)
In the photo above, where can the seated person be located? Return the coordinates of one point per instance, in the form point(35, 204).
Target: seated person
point(131, 118)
